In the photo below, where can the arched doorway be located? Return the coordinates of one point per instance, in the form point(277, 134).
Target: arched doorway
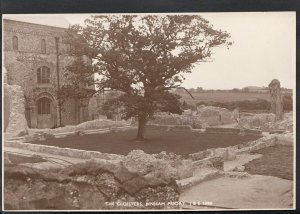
point(46, 115)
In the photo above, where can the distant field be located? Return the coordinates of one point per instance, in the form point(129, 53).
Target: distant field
point(222, 96)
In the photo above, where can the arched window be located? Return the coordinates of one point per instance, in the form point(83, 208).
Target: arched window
point(15, 43)
point(43, 74)
point(43, 46)
point(43, 105)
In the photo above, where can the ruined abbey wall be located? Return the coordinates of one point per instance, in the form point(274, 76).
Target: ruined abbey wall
point(22, 64)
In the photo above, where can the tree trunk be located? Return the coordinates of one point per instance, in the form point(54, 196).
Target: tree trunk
point(141, 129)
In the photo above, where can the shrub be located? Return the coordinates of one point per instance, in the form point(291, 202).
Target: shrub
point(258, 104)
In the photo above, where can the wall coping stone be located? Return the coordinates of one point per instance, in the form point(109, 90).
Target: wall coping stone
point(75, 153)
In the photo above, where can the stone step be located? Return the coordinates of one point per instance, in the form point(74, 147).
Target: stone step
point(199, 176)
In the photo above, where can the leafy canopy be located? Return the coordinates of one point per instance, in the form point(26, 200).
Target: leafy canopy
point(142, 56)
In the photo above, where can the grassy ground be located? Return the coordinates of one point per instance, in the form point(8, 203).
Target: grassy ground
point(182, 143)
point(276, 161)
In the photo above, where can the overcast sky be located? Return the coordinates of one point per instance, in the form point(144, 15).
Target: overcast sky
point(264, 48)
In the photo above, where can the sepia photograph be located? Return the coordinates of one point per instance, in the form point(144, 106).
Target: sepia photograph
point(149, 111)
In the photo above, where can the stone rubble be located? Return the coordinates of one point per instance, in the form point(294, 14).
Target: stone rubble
point(213, 115)
point(267, 122)
point(138, 177)
point(204, 116)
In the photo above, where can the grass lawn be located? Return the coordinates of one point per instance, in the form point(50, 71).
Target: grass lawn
point(276, 161)
point(182, 143)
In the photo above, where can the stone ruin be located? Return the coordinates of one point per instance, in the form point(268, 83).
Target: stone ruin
point(276, 99)
point(15, 122)
point(98, 184)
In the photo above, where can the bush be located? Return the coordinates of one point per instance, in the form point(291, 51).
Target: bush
point(258, 104)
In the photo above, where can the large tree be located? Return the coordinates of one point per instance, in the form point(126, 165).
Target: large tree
point(142, 56)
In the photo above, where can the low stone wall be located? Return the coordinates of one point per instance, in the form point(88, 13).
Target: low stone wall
point(207, 130)
point(260, 121)
point(234, 131)
point(251, 131)
point(267, 122)
point(176, 120)
point(75, 153)
point(41, 135)
point(229, 153)
point(223, 130)
point(86, 126)
point(213, 115)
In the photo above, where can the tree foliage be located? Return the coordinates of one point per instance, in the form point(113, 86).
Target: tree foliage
point(143, 56)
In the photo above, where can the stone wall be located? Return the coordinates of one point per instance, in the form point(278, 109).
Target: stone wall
point(76, 153)
point(22, 64)
point(267, 122)
point(205, 116)
point(175, 119)
point(212, 115)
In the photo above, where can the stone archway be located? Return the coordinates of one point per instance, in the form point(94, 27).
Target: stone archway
point(45, 109)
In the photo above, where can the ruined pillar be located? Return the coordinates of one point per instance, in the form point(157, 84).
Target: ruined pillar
point(276, 99)
point(15, 122)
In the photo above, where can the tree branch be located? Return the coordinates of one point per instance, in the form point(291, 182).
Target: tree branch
point(187, 91)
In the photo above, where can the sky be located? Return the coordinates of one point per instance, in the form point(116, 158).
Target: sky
point(264, 48)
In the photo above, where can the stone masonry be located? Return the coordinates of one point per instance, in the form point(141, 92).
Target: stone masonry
point(27, 48)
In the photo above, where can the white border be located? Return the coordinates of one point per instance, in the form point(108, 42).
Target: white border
point(125, 210)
